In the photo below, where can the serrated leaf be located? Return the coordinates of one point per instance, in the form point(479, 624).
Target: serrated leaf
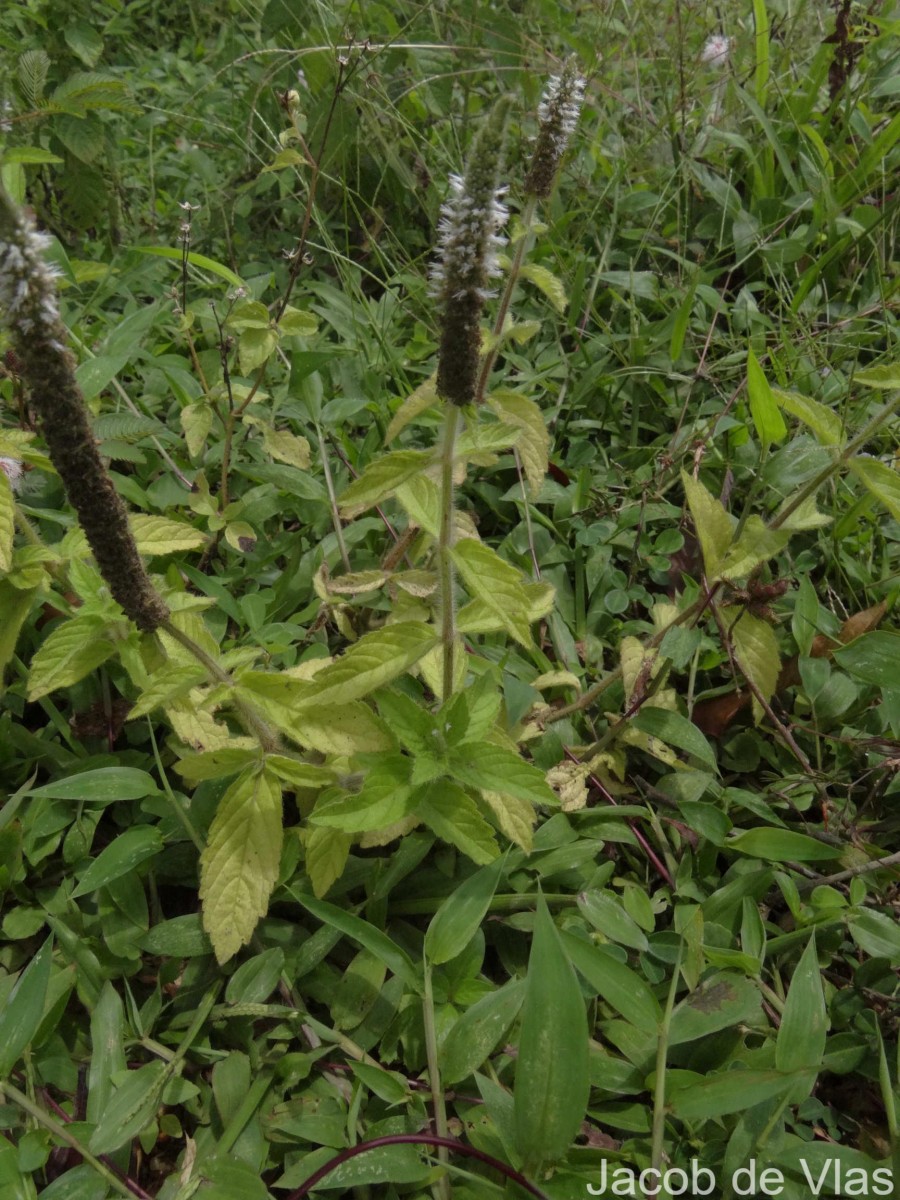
point(72, 651)
point(382, 478)
point(84, 41)
point(534, 444)
point(421, 500)
point(343, 730)
point(756, 651)
point(296, 323)
point(255, 346)
point(496, 584)
point(424, 397)
point(373, 661)
point(33, 66)
point(548, 283)
point(714, 526)
point(7, 522)
point(805, 516)
point(326, 856)
point(283, 445)
point(166, 685)
point(196, 726)
point(216, 764)
point(881, 481)
point(239, 866)
point(483, 765)
point(454, 817)
point(160, 535)
point(478, 617)
point(767, 419)
point(356, 583)
point(756, 544)
point(196, 421)
point(552, 1082)
point(383, 799)
point(15, 605)
point(887, 375)
point(299, 774)
point(515, 817)
point(825, 424)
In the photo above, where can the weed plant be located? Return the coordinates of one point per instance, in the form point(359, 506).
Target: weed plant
point(448, 542)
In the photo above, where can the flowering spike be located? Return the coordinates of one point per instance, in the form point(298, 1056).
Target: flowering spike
point(28, 306)
point(558, 115)
point(469, 234)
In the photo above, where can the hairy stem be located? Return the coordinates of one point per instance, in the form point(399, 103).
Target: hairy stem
point(442, 1189)
point(445, 545)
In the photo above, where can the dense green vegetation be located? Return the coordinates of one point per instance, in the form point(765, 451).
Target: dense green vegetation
point(513, 784)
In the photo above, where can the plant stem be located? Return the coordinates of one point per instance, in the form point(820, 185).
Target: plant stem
point(442, 1186)
point(512, 279)
point(332, 500)
point(445, 545)
point(659, 1092)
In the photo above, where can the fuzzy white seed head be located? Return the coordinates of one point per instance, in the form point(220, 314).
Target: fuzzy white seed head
point(27, 289)
point(715, 52)
point(13, 470)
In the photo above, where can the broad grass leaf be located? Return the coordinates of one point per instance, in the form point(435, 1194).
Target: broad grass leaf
point(552, 1078)
point(622, 988)
point(496, 584)
point(873, 658)
point(767, 418)
point(825, 424)
point(782, 845)
point(486, 766)
point(132, 1106)
point(454, 816)
point(100, 786)
point(368, 936)
point(606, 914)
point(121, 856)
point(720, 1002)
point(714, 526)
point(460, 916)
point(675, 730)
point(881, 480)
point(887, 375)
point(239, 866)
point(756, 651)
point(800, 1044)
point(24, 1009)
point(728, 1092)
point(7, 522)
point(71, 651)
point(478, 1032)
point(196, 260)
point(382, 478)
point(877, 934)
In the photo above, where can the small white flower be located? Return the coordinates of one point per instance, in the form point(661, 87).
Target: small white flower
point(13, 470)
point(715, 52)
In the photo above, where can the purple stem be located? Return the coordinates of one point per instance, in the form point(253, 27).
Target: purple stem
point(415, 1139)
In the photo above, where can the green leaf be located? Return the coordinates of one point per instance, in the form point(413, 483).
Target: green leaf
point(714, 526)
point(757, 544)
point(605, 912)
point(877, 934)
point(478, 1032)
point(460, 916)
point(327, 851)
point(100, 786)
point(454, 816)
point(770, 426)
point(620, 987)
point(196, 421)
point(383, 799)
point(300, 774)
point(728, 1092)
point(196, 260)
point(132, 1106)
point(885, 376)
point(825, 424)
point(120, 857)
point(872, 658)
point(782, 845)
point(160, 535)
point(720, 1002)
point(548, 283)
point(496, 584)
point(424, 397)
point(421, 500)
point(7, 522)
point(484, 765)
point(239, 866)
point(255, 347)
point(534, 444)
point(283, 445)
point(552, 1080)
point(24, 1008)
point(216, 764)
point(72, 651)
point(881, 480)
point(294, 322)
point(800, 1044)
point(373, 661)
point(756, 651)
point(15, 605)
point(167, 684)
point(675, 730)
point(382, 478)
point(372, 939)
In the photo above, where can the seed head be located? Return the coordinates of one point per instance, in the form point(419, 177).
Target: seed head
point(558, 115)
point(715, 52)
point(468, 238)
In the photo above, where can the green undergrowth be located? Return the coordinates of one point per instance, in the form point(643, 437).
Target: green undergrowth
point(514, 780)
